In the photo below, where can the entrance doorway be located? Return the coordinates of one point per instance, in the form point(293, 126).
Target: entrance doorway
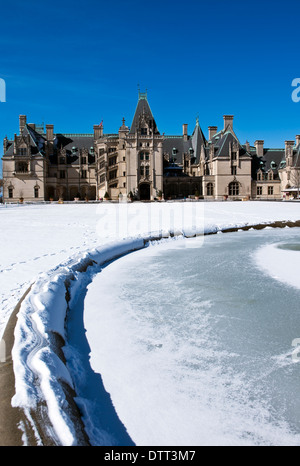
point(144, 191)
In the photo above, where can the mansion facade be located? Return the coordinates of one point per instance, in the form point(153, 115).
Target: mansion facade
point(41, 165)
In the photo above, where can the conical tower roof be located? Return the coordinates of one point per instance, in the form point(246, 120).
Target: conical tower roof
point(143, 112)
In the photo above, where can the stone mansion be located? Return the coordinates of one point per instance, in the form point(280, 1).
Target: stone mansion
point(40, 164)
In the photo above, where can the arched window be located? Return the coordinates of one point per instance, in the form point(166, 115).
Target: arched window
point(210, 189)
point(234, 189)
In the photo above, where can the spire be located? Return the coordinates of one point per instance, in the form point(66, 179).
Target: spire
point(143, 115)
point(198, 140)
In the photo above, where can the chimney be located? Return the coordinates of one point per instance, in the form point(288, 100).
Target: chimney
point(32, 125)
point(98, 131)
point(185, 131)
point(297, 139)
point(5, 144)
point(49, 132)
point(259, 145)
point(228, 119)
point(289, 145)
point(212, 130)
point(22, 121)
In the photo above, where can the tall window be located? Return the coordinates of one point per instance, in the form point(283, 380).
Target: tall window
point(233, 170)
point(36, 192)
point(270, 190)
point(62, 174)
point(83, 173)
point(210, 189)
point(259, 190)
point(234, 189)
point(10, 193)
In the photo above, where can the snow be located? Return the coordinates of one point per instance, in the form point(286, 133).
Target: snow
point(281, 264)
point(50, 247)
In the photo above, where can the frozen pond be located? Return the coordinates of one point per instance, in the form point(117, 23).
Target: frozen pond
point(193, 339)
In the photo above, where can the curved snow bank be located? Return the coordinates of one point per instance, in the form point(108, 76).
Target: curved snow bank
point(44, 384)
point(40, 373)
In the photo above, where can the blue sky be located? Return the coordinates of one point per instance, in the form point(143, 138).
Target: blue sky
point(74, 64)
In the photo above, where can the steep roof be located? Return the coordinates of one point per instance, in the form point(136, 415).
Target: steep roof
point(143, 110)
point(223, 139)
point(37, 141)
point(198, 140)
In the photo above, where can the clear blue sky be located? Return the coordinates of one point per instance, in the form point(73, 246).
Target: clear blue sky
point(74, 64)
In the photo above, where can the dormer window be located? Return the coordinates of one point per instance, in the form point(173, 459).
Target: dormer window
point(144, 131)
point(23, 151)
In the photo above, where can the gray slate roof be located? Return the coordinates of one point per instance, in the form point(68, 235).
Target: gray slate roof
point(142, 107)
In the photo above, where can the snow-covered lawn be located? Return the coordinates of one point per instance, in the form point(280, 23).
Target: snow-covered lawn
point(46, 243)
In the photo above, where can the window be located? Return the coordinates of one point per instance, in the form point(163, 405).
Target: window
point(113, 174)
point(259, 176)
point(141, 155)
point(147, 170)
point(210, 189)
point(233, 156)
point(102, 164)
point(21, 167)
point(62, 174)
point(83, 160)
point(142, 172)
point(234, 189)
point(23, 151)
point(102, 179)
point(259, 190)
point(112, 161)
point(233, 170)
point(10, 193)
point(36, 192)
point(144, 131)
point(270, 190)
point(124, 173)
point(83, 173)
